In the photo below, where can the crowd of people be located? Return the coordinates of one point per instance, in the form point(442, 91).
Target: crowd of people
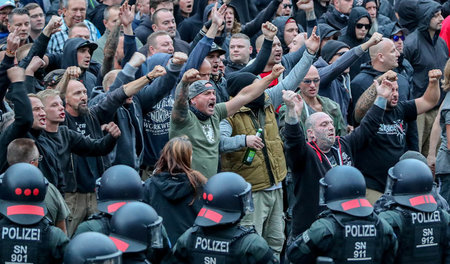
point(204, 131)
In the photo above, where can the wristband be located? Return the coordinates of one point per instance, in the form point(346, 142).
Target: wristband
point(10, 53)
point(149, 79)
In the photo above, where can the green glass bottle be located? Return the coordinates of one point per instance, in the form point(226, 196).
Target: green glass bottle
point(251, 152)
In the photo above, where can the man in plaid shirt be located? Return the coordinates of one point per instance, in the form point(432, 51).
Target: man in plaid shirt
point(74, 11)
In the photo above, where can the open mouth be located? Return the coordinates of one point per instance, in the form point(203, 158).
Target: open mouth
point(62, 115)
point(43, 121)
point(211, 105)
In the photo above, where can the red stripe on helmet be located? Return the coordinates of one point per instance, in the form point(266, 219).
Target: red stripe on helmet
point(418, 200)
point(202, 212)
point(350, 204)
point(25, 209)
point(121, 245)
point(213, 216)
point(115, 206)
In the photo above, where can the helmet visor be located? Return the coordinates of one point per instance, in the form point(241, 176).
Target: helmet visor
point(322, 187)
point(390, 185)
point(114, 258)
point(156, 236)
point(247, 199)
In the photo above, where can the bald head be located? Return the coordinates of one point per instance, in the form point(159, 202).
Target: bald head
point(374, 50)
point(384, 55)
point(312, 119)
point(205, 70)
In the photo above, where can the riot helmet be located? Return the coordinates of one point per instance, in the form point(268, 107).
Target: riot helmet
point(22, 191)
point(410, 183)
point(93, 248)
point(120, 184)
point(343, 189)
point(135, 227)
point(226, 196)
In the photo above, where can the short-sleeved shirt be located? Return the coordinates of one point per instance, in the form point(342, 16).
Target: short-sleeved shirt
point(57, 209)
point(205, 138)
point(443, 157)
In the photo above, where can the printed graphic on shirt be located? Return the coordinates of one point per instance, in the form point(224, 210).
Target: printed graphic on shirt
point(157, 122)
point(397, 129)
point(81, 127)
point(209, 133)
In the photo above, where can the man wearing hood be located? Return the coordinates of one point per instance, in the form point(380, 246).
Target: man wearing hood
point(190, 26)
point(425, 50)
point(78, 52)
point(268, 168)
point(337, 15)
point(356, 33)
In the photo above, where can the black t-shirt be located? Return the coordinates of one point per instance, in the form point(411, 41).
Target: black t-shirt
point(385, 149)
point(86, 167)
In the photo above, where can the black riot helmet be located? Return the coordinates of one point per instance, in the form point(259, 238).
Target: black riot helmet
point(118, 185)
point(92, 247)
point(135, 227)
point(227, 196)
point(410, 183)
point(343, 189)
point(22, 193)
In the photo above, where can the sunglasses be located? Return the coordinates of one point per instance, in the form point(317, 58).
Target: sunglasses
point(359, 26)
point(287, 5)
point(340, 53)
point(316, 81)
point(397, 38)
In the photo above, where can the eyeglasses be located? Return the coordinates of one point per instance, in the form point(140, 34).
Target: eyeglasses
point(397, 38)
point(287, 5)
point(359, 26)
point(307, 81)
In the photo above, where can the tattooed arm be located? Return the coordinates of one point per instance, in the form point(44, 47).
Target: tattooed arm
point(181, 104)
point(368, 97)
point(110, 48)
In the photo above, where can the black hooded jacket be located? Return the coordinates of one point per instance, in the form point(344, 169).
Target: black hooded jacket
point(407, 14)
point(280, 23)
point(170, 196)
point(334, 18)
point(423, 52)
point(70, 59)
point(349, 37)
point(191, 26)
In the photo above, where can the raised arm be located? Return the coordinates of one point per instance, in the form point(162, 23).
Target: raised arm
point(331, 72)
point(431, 96)
point(297, 74)
point(367, 99)
point(252, 91)
point(269, 31)
point(181, 104)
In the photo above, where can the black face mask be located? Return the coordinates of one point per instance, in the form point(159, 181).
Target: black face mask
point(257, 103)
point(201, 116)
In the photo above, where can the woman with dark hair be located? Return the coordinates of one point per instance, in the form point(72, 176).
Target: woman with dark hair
point(174, 188)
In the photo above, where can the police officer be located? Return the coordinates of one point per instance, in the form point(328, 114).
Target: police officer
point(421, 228)
point(348, 231)
point(92, 247)
point(386, 201)
point(26, 234)
point(216, 236)
point(135, 228)
point(120, 184)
